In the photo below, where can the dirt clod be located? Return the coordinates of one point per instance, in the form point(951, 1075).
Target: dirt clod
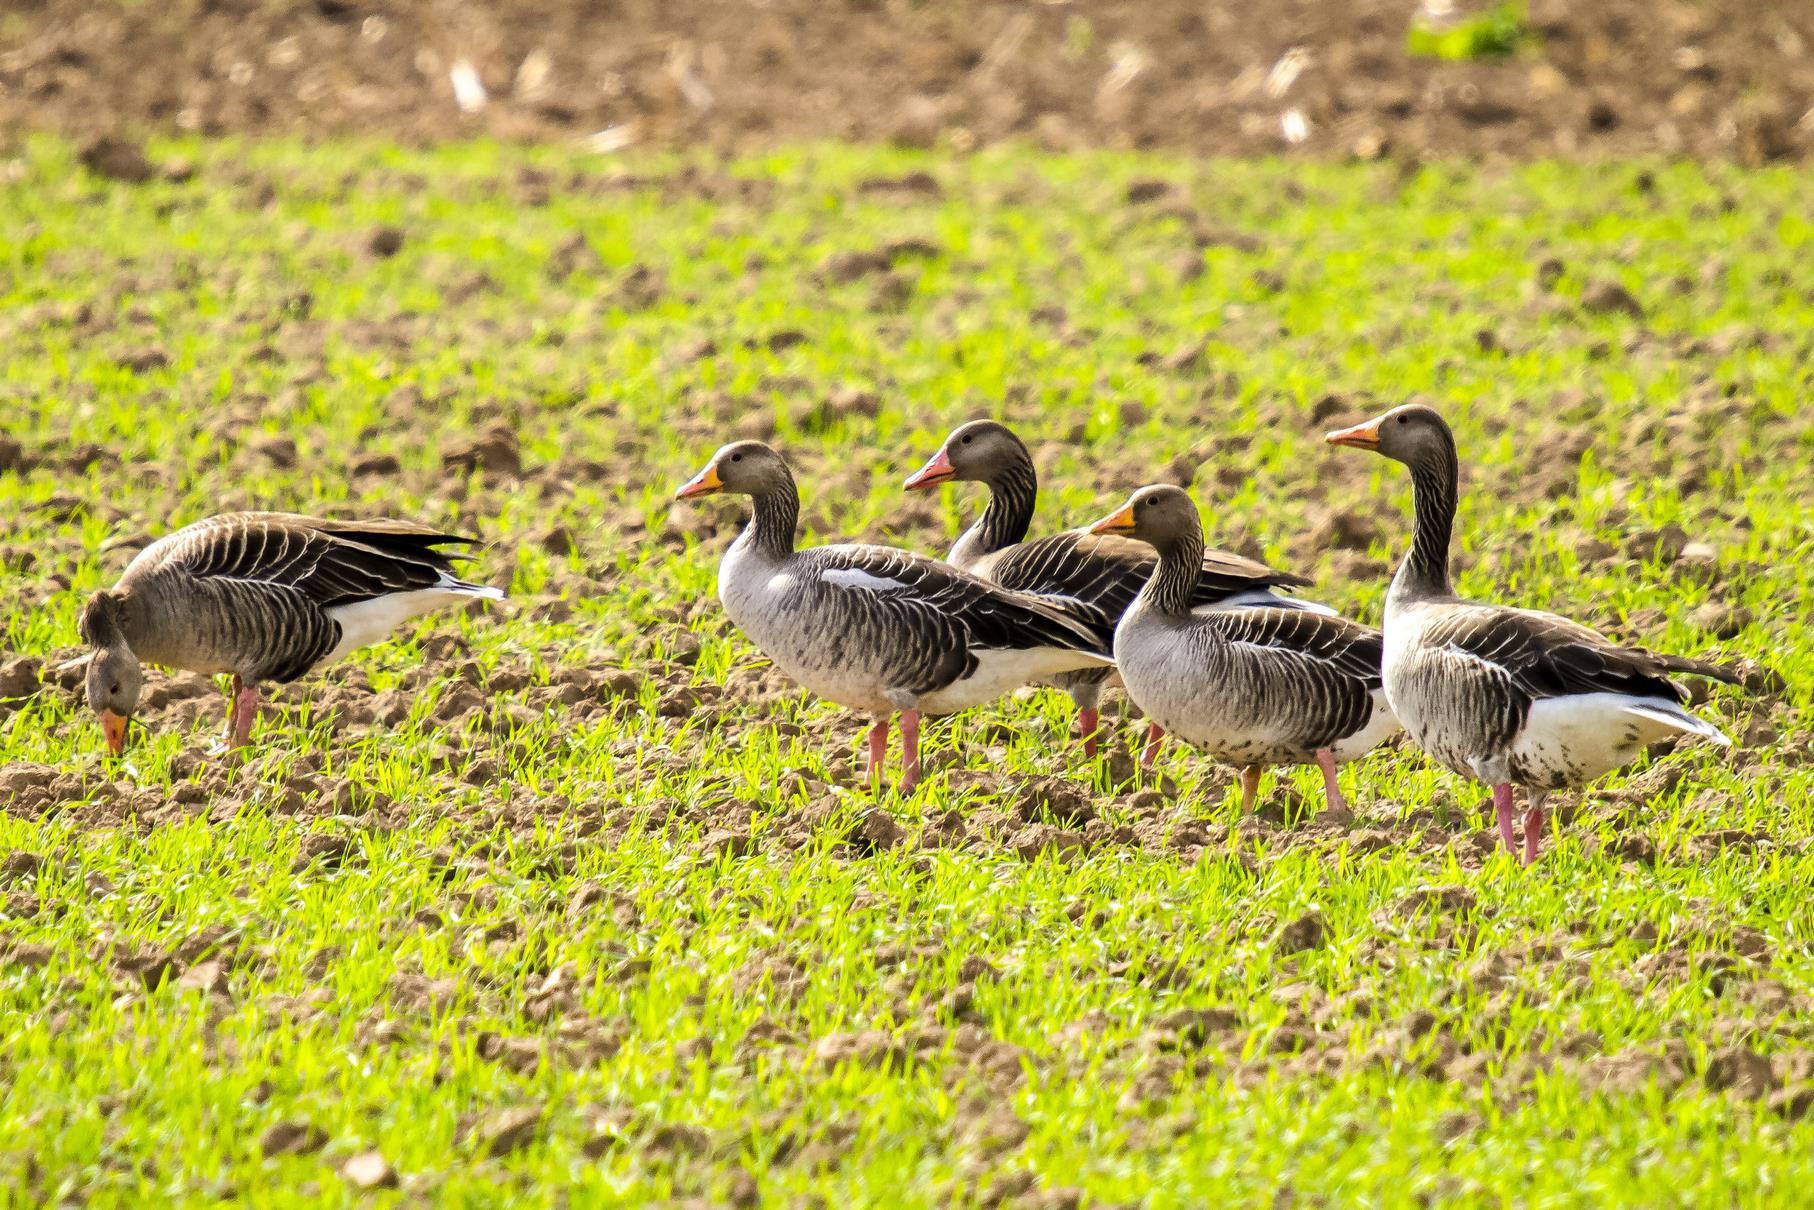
point(117, 159)
point(1742, 1071)
point(1307, 932)
point(385, 242)
point(1609, 297)
point(507, 1130)
point(292, 1138)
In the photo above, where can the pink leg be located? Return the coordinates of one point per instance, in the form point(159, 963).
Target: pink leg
point(1250, 788)
point(1502, 807)
point(245, 713)
point(1086, 723)
point(1154, 733)
point(1332, 791)
point(910, 749)
point(1533, 830)
point(878, 750)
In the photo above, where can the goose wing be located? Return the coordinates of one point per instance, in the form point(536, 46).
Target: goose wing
point(325, 563)
point(989, 617)
point(1108, 570)
point(1547, 656)
point(1346, 648)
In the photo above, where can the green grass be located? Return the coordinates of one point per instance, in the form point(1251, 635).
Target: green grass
point(1490, 34)
point(662, 932)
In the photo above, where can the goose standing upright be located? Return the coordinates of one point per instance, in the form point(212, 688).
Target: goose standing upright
point(1102, 570)
point(1254, 687)
point(877, 629)
point(1502, 695)
point(264, 596)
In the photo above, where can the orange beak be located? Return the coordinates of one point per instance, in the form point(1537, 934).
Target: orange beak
point(1119, 521)
point(1363, 436)
point(938, 470)
point(113, 726)
point(705, 483)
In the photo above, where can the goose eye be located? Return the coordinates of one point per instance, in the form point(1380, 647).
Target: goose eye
point(1403, 419)
point(113, 689)
point(967, 440)
point(736, 457)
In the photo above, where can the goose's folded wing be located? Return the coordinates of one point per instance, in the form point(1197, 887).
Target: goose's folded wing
point(989, 616)
point(328, 563)
point(1346, 647)
point(1548, 656)
point(1095, 569)
point(1225, 574)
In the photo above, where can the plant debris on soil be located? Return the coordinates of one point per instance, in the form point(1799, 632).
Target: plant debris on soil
point(1727, 78)
point(577, 890)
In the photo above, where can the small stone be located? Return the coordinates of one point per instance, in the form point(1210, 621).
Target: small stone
point(1721, 620)
point(369, 1170)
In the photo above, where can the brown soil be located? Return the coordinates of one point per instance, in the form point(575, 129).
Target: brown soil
point(1720, 78)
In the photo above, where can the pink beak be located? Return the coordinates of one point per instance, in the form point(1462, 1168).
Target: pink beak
point(938, 470)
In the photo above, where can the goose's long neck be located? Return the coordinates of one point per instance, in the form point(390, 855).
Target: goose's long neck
point(1012, 494)
point(1174, 578)
point(774, 516)
point(1425, 571)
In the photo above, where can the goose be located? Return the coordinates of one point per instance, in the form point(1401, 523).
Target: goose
point(1102, 570)
point(1253, 687)
point(263, 596)
point(876, 629)
point(1501, 695)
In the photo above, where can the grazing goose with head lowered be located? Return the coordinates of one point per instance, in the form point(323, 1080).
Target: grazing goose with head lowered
point(1502, 695)
point(1103, 570)
point(1254, 687)
point(877, 629)
point(263, 596)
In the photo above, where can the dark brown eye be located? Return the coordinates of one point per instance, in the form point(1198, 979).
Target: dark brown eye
point(113, 689)
point(736, 457)
point(967, 440)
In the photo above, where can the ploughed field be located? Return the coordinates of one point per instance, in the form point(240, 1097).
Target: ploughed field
point(577, 891)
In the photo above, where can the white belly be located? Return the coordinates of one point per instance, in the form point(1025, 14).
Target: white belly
point(1377, 731)
point(1568, 741)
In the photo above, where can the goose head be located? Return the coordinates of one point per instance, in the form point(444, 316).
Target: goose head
point(1412, 434)
point(115, 679)
point(1160, 515)
point(743, 468)
point(982, 451)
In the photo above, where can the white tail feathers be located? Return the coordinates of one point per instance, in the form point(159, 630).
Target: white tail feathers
point(484, 592)
point(1671, 715)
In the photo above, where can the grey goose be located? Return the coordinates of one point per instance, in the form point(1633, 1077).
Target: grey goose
point(264, 597)
point(1253, 687)
point(1502, 695)
point(1105, 571)
point(876, 629)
